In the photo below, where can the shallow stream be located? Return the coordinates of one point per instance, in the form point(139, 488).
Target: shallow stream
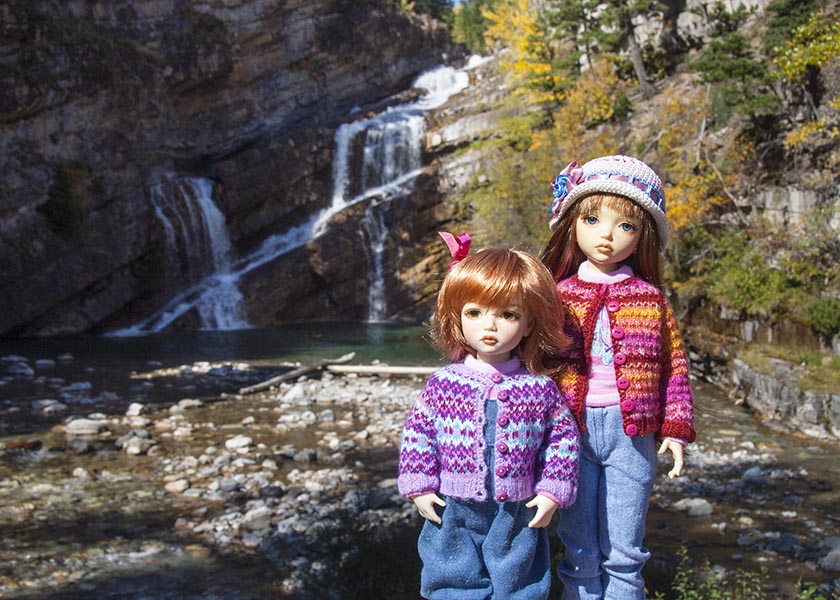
point(96, 522)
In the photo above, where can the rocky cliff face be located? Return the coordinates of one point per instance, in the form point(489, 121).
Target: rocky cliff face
point(103, 104)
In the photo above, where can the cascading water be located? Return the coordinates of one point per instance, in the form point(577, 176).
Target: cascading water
point(391, 160)
point(197, 239)
point(374, 227)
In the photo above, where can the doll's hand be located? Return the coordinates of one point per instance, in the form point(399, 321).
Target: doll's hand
point(545, 510)
point(426, 505)
point(677, 451)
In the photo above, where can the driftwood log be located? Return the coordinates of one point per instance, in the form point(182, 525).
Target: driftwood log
point(295, 373)
point(380, 369)
point(338, 365)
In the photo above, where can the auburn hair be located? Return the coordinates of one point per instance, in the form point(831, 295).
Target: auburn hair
point(498, 278)
point(563, 256)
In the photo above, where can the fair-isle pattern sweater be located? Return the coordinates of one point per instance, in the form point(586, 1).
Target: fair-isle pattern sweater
point(651, 366)
point(443, 446)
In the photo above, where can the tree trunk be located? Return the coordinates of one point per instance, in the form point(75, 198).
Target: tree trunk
point(646, 87)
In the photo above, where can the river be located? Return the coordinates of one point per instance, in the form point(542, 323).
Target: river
point(84, 519)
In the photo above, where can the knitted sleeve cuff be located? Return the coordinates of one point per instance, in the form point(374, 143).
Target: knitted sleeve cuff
point(563, 493)
point(680, 431)
point(414, 484)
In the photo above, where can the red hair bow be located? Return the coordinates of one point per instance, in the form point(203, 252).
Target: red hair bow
point(459, 246)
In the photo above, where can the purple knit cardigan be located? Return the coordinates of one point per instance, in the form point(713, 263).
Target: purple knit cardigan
point(443, 447)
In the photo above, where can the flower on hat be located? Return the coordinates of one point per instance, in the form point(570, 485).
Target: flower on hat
point(565, 181)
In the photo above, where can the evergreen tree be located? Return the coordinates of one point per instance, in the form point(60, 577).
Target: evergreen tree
point(743, 82)
point(469, 24)
point(596, 26)
point(439, 9)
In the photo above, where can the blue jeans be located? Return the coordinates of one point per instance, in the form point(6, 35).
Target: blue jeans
point(604, 529)
point(484, 550)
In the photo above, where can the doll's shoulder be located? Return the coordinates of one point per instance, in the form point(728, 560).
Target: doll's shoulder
point(640, 290)
point(457, 374)
point(531, 384)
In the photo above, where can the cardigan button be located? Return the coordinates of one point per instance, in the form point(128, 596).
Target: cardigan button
point(622, 383)
point(612, 306)
point(618, 332)
point(502, 448)
point(501, 471)
point(628, 406)
point(502, 497)
point(631, 430)
point(503, 421)
point(620, 358)
point(503, 395)
point(602, 289)
point(496, 377)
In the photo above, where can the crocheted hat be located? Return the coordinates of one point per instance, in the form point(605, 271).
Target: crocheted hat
point(619, 175)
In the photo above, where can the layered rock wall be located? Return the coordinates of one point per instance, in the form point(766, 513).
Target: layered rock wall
point(101, 101)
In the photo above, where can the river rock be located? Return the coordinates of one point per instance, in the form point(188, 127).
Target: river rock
point(137, 445)
point(85, 427)
point(257, 519)
point(49, 406)
point(178, 486)
point(694, 507)
point(135, 409)
point(240, 443)
point(20, 369)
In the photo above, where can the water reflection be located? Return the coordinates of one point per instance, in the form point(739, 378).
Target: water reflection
point(295, 342)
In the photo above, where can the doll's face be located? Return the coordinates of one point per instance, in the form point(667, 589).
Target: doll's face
point(606, 237)
point(494, 332)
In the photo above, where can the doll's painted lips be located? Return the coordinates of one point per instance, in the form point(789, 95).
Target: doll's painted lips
point(490, 341)
point(604, 248)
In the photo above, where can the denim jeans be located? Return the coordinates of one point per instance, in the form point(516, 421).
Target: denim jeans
point(484, 550)
point(603, 531)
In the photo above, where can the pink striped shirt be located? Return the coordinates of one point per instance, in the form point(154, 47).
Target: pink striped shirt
point(602, 390)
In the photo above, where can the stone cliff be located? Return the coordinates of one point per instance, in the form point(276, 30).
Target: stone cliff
point(105, 104)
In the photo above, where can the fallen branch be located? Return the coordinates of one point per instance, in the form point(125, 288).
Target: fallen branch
point(295, 373)
point(380, 370)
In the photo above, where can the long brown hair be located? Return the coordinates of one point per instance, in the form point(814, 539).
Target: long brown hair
point(563, 256)
point(497, 278)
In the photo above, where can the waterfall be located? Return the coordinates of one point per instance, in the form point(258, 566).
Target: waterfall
point(197, 242)
point(391, 159)
point(377, 232)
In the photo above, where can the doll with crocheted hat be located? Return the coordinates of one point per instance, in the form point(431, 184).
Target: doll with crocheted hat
point(627, 371)
point(489, 450)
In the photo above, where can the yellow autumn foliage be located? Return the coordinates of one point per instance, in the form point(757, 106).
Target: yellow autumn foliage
point(513, 24)
point(812, 45)
point(693, 184)
point(591, 102)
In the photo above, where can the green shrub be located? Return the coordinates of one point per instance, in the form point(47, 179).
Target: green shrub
point(703, 583)
point(63, 209)
point(825, 316)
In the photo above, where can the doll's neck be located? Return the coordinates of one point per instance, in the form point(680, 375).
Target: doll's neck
point(588, 272)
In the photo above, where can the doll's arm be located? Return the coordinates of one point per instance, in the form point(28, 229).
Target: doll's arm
point(425, 503)
point(677, 452)
point(545, 510)
point(675, 387)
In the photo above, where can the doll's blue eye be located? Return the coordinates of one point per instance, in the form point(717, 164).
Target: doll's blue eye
point(590, 220)
point(627, 227)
